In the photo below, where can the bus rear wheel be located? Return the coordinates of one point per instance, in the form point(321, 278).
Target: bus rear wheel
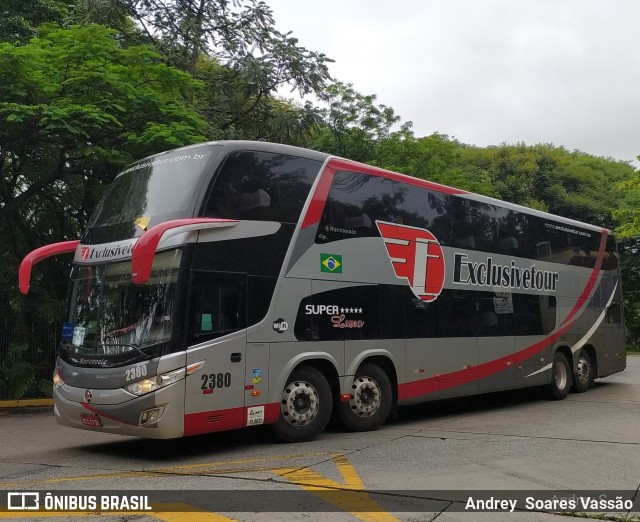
point(584, 375)
point(370, 402)
point(305, 407)
point(560, 383)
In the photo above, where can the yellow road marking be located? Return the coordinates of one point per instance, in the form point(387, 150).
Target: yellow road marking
point(172, 469)
point(173, 512)
point(325, 488)
point(361, 505)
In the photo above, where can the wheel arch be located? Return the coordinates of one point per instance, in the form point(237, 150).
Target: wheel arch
point(321, 361)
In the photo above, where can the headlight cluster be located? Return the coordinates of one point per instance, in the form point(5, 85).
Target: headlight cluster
point(57, 379)
point(155, 383)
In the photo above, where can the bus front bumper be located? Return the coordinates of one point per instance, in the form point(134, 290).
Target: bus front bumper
point(156, 415)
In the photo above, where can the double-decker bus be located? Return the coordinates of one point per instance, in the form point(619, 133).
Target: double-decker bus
point(233, 284)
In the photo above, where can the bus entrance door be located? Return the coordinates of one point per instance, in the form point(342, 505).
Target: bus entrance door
point(214, 398)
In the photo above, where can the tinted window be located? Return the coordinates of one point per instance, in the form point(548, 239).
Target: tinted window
point(218, 304)
point(514, 233)
point(163, 186)
point(610, 261)
point(386, 311)
point(354, 203)
point(424, 208)
point(474, 225)
point(563, 243)
point(262, 186)
point(159, 189)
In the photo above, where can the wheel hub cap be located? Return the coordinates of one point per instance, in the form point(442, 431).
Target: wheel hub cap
point(299, 405)
point(584, 370)
point(365, 397)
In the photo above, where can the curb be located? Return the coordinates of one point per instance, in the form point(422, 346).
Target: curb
point(26, 403)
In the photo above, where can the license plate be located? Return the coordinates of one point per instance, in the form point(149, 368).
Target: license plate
point(90, 420)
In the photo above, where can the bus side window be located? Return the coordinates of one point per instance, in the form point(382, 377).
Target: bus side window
point(423, 208)
point(218, 304)
point(261, 186)
point(355, 202)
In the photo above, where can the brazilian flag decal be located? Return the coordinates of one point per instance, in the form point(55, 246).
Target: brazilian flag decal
point(331, 263)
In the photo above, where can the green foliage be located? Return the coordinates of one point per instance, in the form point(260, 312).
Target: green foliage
point(570, 184)
point(77, 106)
point(16, 373)
point(352, 124)
point(630, 265)
point(436, 158)
point(20, 20)
point(234, 111)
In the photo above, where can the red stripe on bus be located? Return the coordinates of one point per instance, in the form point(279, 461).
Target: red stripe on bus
point(223, 420)
point(106, 415)
point(460, 377)
point(592, 280)
point(314, 212)
point(354, 166)
point(209, 421)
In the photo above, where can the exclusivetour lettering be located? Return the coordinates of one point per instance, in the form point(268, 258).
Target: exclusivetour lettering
point(502, 276)
point(108, 252)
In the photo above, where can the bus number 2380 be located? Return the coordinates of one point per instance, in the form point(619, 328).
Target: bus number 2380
point(216, 380)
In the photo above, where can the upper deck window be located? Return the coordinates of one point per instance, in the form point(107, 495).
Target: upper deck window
point(354, 204)
point(159, 188)
point(262, 186)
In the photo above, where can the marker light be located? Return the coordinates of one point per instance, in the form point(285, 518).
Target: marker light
point(155, 383)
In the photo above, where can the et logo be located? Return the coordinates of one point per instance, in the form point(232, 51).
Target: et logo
point(416, 256)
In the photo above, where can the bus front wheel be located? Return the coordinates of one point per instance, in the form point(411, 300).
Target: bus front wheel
point(305, 407)
point(560, 383)
point(370, 402)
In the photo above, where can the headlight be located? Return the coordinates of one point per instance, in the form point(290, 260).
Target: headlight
point(57, 379)
point(155, 383)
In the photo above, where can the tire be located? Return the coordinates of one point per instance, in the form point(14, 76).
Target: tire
point(371, 400)
point(305, 407)
point(560, 383)
point(584, 375)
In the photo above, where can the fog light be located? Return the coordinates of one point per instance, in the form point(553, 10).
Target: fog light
point(148, 416)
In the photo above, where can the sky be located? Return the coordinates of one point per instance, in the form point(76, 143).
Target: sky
point(488, 72)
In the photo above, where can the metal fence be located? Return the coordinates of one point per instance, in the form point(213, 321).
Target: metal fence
point(28, 342)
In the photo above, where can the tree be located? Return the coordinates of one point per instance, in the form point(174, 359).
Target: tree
point(233, 113)
point(20, 20)
point(352, 124)
point(436, 158)
point(75, 108)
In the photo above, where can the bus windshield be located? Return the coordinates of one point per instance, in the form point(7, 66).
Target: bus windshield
point(160, 187)
point(108, 314)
